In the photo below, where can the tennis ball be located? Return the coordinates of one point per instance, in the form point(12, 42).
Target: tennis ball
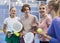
point(39, 30)
point(16, 33)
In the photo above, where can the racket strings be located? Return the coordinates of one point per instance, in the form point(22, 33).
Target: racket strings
point(17, 26)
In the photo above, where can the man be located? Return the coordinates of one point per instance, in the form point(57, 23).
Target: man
point(28, 20)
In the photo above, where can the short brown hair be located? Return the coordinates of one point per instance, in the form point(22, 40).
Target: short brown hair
point(11, 8)
point(23, 7)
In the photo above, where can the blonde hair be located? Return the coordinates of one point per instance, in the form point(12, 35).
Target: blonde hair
point(56, 8)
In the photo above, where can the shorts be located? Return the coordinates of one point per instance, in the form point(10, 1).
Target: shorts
point(44, 41)
point(12, 39)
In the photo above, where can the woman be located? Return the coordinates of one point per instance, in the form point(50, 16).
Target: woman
point(54, 8)
point(44, 21)
point(8, 23)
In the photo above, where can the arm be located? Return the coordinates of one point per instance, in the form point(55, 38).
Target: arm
point(35, 21)
point(51, 34)
point(48, 20)
point(4, 29)
point(4, 26)
point(51, 39)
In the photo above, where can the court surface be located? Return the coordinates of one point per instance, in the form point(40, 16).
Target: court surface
point(2, 37)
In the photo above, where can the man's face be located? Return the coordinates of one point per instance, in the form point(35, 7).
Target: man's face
point(26, 10)
point(13, 11)
point(42, 10)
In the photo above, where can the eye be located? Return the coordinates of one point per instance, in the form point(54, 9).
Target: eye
point(26, 9)
point(43, 8)
point(40, 8)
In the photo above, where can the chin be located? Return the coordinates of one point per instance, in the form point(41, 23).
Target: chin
point(27, 12)
point(42, 13)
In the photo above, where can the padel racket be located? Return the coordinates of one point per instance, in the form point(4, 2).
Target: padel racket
point(16, 27)
point(28, 38)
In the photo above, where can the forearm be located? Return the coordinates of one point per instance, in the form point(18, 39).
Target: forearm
point(47, 36)
point(4, 29)
point(51, 39)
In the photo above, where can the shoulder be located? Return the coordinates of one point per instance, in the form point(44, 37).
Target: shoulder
point(49, 16)
point(18, 17)
point(57, 19)
point(6, 19)
point(33, 16)
point(22, 18)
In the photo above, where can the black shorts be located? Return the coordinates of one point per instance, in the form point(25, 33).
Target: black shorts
point(44, 41)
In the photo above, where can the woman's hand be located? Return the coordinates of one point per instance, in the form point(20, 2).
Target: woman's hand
point(9, 35)
point(44, 35)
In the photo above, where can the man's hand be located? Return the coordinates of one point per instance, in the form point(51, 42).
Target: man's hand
point(34, 24)
point(21, 34)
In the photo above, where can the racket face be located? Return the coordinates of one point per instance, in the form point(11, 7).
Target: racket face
point(10, 31)
point(28, 38)
point(17, 26)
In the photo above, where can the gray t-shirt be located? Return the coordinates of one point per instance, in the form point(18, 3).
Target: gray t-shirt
point(27, 22)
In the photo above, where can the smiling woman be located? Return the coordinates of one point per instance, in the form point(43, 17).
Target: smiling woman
point(8, 27)
point(44, 22)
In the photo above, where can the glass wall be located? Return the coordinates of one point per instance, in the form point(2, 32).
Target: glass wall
point(6, 4)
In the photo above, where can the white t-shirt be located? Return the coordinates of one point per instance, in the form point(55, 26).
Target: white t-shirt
point(9, 22)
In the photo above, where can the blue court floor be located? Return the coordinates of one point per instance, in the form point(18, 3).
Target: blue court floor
point(2, 37)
